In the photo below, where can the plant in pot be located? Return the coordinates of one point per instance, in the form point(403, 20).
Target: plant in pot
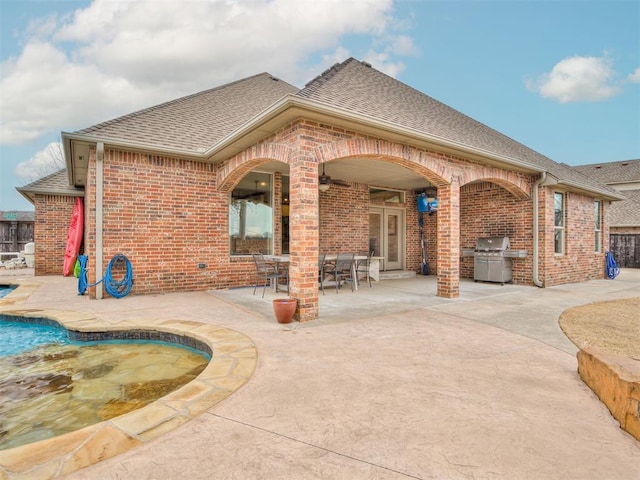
point(284, 309)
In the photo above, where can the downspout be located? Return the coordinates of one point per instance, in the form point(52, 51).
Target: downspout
point(99, 194)
point(536, 279)
point(542, 181)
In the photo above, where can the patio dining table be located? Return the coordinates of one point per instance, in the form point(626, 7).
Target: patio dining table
point(277, 261)
point(374, 266)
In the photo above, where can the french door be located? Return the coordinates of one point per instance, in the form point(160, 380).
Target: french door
point(387, 236)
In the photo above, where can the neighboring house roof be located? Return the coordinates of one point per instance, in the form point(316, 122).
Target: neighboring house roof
point(207, 123)
point(17, 216)
point(56, 183)
point(627, 212)
point(613, 173)
point(198, 121)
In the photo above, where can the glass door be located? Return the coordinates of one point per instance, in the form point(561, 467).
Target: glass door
point(387, 236)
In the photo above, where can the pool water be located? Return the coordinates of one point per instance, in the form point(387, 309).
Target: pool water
point(55, 387)
point(6, 290)
point(17, 337)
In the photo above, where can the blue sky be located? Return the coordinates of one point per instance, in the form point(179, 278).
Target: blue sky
point(562, 77)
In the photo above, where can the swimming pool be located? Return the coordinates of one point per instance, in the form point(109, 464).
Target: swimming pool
point(233, 361)
point(51, 384)
point(6, 290)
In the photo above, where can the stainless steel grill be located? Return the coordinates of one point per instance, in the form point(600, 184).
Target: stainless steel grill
point(491, 261)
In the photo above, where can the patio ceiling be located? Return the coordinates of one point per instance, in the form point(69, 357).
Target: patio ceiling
point(364, 170)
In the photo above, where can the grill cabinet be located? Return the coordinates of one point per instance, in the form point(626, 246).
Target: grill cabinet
point(490, 263)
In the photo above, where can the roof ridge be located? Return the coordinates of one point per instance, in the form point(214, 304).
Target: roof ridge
point(325, 76)
point(170, 102)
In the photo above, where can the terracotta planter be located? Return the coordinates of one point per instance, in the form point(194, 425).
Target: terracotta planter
point(284, 309)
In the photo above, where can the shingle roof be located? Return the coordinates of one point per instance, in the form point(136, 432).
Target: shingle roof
point(56, 183)
point(627, 212)
point(613, 172)
point(355, 86)
point(198, 121)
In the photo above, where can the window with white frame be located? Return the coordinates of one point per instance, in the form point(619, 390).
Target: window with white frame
point(597, 218)
point(559, 223)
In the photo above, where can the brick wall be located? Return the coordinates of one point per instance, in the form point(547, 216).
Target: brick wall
point(625, 230)
point(580, 262)
point(488, 210)
point(344, 219)
point(53, 214)
point(168, 214)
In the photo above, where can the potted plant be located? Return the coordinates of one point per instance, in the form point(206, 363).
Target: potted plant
point(284, 309)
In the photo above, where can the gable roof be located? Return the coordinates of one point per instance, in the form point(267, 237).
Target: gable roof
point(195, 122)
point(56, 183)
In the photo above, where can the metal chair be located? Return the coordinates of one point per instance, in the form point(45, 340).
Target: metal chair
point(321, 270)
point(362, 266)
point(267, 273)
point(342, 271)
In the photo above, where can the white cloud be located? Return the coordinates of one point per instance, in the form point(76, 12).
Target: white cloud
point(635, 76)
point(578, 79)
point(44, 162)
point(113, 58)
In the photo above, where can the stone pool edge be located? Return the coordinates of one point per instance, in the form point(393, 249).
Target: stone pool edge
point(233, 362)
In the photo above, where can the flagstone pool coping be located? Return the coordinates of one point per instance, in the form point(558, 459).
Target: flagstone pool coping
point(233, 361)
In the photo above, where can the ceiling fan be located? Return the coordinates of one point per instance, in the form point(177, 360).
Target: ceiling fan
point(325, 181)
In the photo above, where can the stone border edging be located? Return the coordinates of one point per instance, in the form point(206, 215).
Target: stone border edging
point(616, 382)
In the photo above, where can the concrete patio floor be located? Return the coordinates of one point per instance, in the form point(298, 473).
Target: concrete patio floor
point(391, 382)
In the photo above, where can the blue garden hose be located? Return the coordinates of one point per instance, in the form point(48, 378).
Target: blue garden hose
point(116, 289)
point(612, 268)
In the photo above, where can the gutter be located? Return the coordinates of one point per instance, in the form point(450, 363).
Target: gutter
point(137, 146)
point(291, 100)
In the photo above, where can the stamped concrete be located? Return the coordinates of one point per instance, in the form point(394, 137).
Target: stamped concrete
point(391, 382)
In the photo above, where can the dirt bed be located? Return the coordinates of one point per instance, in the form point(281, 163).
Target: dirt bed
point(612, 327)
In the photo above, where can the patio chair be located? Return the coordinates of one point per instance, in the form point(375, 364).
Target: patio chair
point(267, 273)
point(322, 266)
point(362, 266)
point(342, 271)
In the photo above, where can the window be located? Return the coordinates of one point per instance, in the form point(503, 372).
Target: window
point(559, 221)
point(597, 218)
point(251, 215)
point(386, 195)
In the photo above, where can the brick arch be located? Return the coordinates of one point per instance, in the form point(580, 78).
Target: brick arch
point(232, 170)
point(518, 184)
point(423, 163)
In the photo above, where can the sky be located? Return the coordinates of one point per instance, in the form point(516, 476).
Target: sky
point(560, 76)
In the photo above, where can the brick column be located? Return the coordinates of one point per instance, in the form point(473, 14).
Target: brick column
point(303, 235)
point(448, 241)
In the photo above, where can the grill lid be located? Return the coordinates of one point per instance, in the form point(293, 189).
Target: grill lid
point(493, 244)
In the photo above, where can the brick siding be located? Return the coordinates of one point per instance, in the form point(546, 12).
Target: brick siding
point(53, 215)
point(170, 214)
